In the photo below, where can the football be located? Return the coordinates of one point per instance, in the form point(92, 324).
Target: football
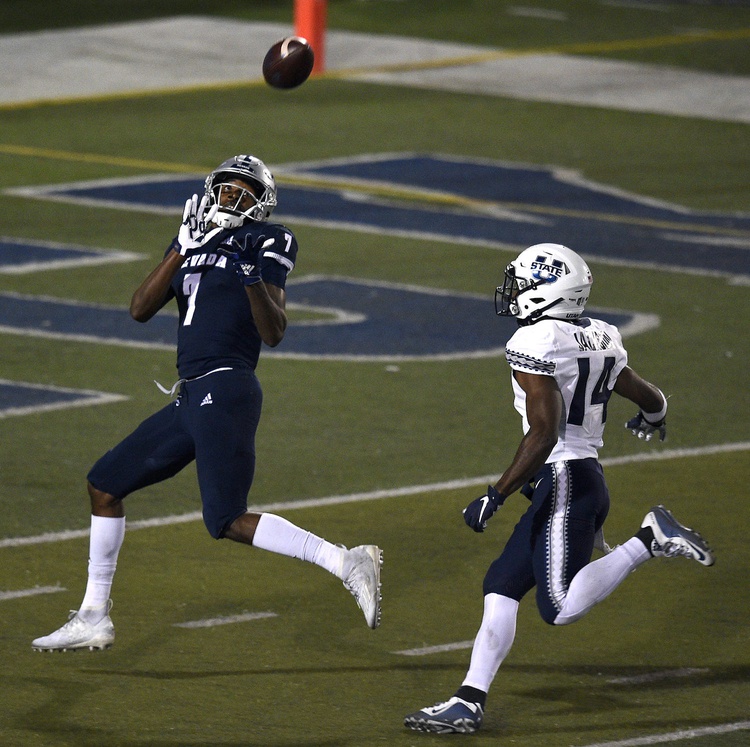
point(288, 63)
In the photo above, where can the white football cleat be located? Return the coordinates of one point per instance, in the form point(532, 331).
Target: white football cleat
point(672, 539)
point(79, 634)
point(362, 579)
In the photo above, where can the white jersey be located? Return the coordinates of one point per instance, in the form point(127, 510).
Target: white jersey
point(585, 358)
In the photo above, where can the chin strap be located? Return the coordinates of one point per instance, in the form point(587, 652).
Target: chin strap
point(228, 220)
point(535, 315)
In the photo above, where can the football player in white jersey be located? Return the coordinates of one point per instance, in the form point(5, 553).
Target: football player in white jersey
point(564, 369)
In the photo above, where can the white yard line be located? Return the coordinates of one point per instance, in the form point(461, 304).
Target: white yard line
point(676, 736)
point(337, 500)
point(212, 622)
point(666, 674)
point(19, 593)
point(427, 650)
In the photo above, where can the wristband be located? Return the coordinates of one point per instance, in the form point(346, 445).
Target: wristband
point(655, 418)
point(497, 498)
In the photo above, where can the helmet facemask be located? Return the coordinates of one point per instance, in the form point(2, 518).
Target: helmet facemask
point(507, 293)
point(238, 202)
point(244, 189)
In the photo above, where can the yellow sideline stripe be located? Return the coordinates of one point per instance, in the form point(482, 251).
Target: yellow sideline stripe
point(443, 199)
point(582, 48)
point(133, 94)
point(578, 48)
point(102, 160)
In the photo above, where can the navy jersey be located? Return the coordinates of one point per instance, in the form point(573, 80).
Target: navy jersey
point(216, 327)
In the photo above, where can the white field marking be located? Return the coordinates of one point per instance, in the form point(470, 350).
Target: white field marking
point(736, 242)
point(6, 595)
point(337, 500)
point(212, 622)
point(676, 736)
point(639, 4)
point(545, 15)
point(457, 646)
point(334, 315)
point(90, 256)
point(667, 674)
point(87, 397)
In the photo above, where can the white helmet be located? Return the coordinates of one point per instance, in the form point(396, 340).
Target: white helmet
point(256, 174)
point(545, 280)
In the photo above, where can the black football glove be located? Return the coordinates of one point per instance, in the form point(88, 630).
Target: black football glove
point(641, 428)
point(246, 261)
point(479, 511)
point(247, 269)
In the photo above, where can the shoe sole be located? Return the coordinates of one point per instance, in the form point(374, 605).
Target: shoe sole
point(377, 557)
point(67, 649)
point(698, 546)
point(438, 727)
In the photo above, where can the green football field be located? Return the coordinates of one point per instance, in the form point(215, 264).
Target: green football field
point(379, 452)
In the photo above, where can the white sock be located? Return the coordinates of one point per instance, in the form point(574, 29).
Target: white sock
point(493, 641)
point(105, 542)
point(597, 580)
point(278, 535)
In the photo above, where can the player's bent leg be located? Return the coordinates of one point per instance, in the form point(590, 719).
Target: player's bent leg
point(242, 529)
point(664, 536)
point(104, 504)
point(358, 568)
point(572, 506)
point(597, 580)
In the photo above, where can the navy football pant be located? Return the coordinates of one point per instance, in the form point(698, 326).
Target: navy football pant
point(554, 539)
point(213, 421)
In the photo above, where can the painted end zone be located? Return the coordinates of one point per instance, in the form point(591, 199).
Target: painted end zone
point(464, 201)
point(24, 398)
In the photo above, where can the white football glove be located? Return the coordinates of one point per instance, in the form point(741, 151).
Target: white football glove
point(192, 233)
point(641, 428)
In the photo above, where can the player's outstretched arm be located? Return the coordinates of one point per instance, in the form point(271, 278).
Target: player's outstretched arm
point(153, 292)
point(652, 415)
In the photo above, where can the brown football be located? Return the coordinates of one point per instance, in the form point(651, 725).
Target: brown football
point(288, 63)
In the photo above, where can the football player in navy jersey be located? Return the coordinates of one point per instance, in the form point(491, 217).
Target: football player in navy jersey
point(564, 369)
point(227, 271)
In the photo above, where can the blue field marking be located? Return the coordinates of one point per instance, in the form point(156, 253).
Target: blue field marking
point(362, 321)
point(19, 256)
point(492, 203)
point(54, 318)
point(25, 398)
point(400, 322)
